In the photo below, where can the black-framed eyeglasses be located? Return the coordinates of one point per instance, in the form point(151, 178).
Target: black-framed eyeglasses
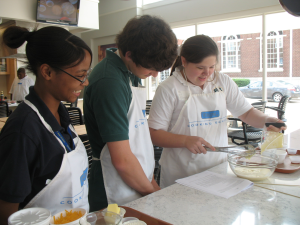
point(88, 72)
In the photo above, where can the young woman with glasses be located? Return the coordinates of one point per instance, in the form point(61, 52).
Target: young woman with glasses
point(43, 163)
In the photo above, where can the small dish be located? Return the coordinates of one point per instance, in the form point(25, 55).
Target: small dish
point(49, 3)
point(287, 166)
point(294, 158)
point(104, 218)
point(292, 151)
point(281, 155)
point(42, 8)
point(126, 219)
point(135, 222)
point(91, 218)
point(121, 213)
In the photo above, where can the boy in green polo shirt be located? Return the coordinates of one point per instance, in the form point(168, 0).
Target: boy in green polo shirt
point(114, 111)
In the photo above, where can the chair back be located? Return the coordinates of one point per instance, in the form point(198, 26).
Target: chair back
point(4, 111)
point(157, 155)
point(247, 134)
point(148, 106)
point(75, 115)
point(282, 105)
point(89, 153)
point(261, 106)
point(69, 104)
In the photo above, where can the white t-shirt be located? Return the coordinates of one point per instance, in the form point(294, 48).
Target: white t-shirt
point(20, 88)
point(172, 94)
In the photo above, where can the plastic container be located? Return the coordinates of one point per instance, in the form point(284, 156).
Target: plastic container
point(281, 155)
point(107, 218)
point(36, 216)
point(255, 168)
point(271, 140)
point(292, 151)
point(80, 221)
point(122, 211)
point(91, 218)
point(295, 159)
point(135, 222)
point(127, 219)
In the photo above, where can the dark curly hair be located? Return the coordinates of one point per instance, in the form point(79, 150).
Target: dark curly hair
point(152, 43)
point(51, 45)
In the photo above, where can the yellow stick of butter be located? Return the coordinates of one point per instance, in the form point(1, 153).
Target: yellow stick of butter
point(113, 208)
point(109, 217)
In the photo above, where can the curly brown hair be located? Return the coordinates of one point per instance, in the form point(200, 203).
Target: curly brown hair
point(151, 42)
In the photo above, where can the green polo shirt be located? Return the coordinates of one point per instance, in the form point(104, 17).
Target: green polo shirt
point(106, 103)
point(107, 100)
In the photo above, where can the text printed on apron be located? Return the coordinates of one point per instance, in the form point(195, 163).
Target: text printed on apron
point(117, 191)
point(203, 115)
point(69, 188)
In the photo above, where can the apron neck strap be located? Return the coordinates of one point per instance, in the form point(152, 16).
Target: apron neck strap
point(48, 127)
point(59, 135)
point(187, 83)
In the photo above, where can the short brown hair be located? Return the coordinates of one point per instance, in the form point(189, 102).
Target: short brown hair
point(152, 43)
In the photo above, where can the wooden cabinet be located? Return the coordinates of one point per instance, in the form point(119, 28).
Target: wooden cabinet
point(8, 72)
point(4, 67)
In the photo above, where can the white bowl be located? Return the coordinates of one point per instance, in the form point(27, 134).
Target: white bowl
point(37, 216)
point(295, 158)
point(281, 155)
point(292, 151)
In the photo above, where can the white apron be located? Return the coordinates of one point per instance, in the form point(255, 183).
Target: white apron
point(117, 191)
point(203, 115)
point(69, 188)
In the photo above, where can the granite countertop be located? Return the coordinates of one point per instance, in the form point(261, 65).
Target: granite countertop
point(263, 204)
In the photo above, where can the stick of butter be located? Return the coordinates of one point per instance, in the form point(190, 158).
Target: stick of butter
point(109, 217)
point(113, 208)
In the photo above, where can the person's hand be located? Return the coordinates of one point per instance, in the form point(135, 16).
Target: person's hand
point(155, 185)
point(195, 144)
point(273, 128)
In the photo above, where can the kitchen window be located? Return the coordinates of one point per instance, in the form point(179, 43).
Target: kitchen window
point(231, 54)
point(275, 50)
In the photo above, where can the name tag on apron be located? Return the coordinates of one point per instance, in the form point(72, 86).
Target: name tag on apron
point(210, 114)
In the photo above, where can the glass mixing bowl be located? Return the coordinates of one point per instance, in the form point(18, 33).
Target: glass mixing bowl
point(255, 168)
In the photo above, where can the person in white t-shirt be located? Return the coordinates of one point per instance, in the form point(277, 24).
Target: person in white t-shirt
point(20, 86)
point(189, 110)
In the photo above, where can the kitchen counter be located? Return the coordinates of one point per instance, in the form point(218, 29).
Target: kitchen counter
point(263, 204)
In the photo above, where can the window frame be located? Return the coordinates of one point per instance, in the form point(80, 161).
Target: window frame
point(225, 41)
point(279, 39)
